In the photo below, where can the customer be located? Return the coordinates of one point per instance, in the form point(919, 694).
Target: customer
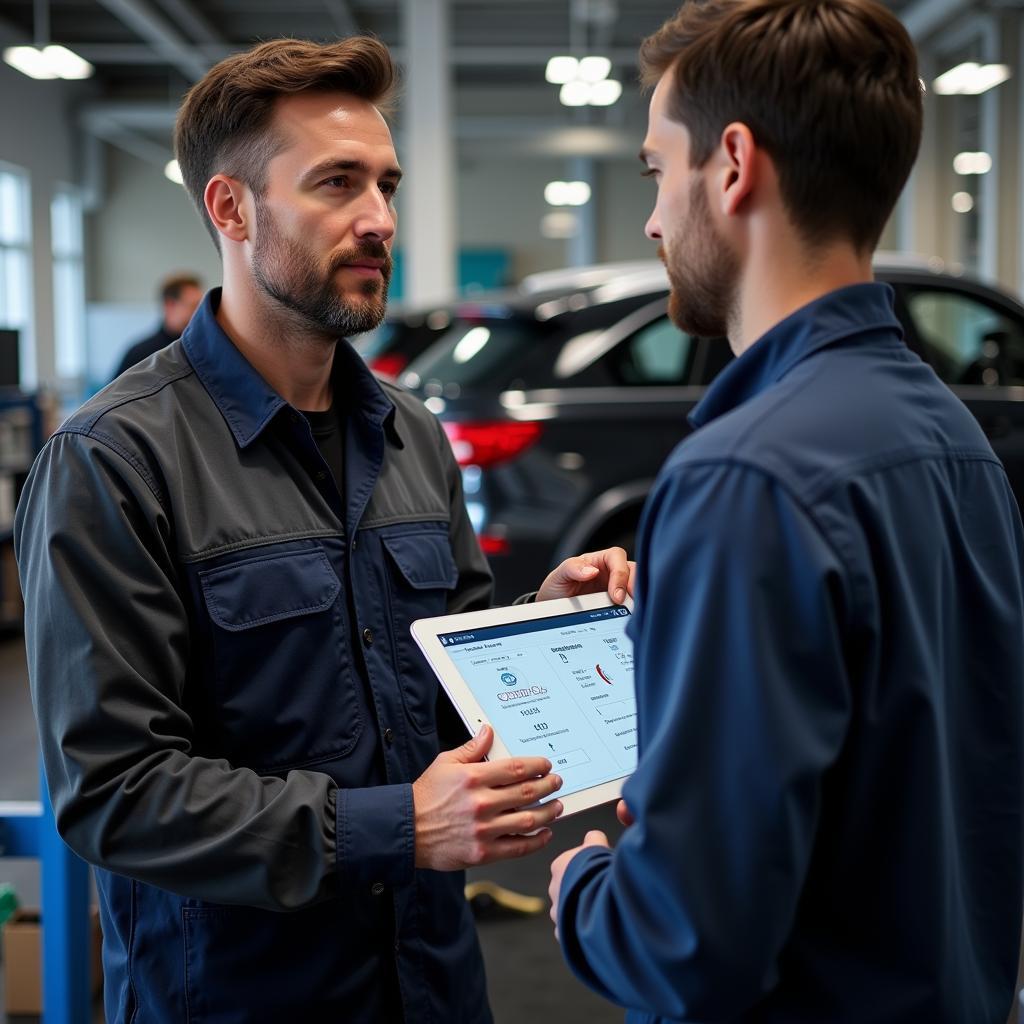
point(830, 622)
point(179, 297)
point(221, 554)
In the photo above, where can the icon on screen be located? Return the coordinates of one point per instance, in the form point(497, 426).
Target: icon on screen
point(509, 679)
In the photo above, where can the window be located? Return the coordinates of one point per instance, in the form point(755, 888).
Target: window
point(658, 354)
point(15, 265)
point(968, 341)
point(68, 283)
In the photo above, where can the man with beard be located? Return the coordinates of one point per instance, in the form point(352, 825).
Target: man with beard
point(825, 821)
point(221, 554)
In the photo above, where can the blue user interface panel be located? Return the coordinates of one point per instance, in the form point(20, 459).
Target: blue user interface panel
point(560, 688)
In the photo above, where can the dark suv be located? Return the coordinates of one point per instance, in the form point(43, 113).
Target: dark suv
point(563, 400)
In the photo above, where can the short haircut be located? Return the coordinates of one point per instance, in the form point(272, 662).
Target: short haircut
point(223, 126)
point(171, 288)
point(829, 88)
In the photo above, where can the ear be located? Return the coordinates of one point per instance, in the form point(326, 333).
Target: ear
point(738, 167)
point(225, 200)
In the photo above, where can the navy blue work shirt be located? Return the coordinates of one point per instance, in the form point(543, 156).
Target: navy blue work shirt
point(231, 706)
point(829, 639)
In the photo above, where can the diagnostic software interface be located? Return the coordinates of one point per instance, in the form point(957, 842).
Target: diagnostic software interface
point(560, 688)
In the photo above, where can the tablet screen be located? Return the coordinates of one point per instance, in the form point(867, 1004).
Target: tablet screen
point(560, 688)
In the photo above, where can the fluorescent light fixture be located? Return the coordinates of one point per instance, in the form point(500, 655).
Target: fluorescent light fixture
point(972, 163)
point(29, 61)
point(567, 193)
point(50, 62)
point(604, 94)
point(67, 63)
point(970, 79)
point(575, 94)
point(594, 69)
point(173, 172)
point(561, 70)
point(559, 224)
point(963, 202)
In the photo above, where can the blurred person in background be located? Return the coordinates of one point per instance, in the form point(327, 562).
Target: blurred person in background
point(180, 296)
point(829, 628)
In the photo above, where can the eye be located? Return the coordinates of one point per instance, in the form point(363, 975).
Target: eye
point(338, 181)
point(389, 188)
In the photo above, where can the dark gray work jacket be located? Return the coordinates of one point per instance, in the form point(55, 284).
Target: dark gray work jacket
point(230, 704)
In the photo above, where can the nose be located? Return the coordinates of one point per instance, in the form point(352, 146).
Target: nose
point(652, 229)
point(376, 216)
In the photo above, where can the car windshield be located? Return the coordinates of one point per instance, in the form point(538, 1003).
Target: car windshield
point(478, 351)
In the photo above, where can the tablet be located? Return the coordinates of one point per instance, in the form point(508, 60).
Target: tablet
point(554, 679)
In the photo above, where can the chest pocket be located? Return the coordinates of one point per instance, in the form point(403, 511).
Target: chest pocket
point(422, 573)
point(283, 685)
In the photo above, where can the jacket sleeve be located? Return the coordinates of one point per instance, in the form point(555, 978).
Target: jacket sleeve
point(743, 704)
point(108, 642)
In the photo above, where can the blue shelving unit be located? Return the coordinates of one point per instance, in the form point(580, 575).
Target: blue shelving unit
point(28, 829)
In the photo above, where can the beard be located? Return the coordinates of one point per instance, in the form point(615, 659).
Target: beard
point(703, 272)
point(289, 274)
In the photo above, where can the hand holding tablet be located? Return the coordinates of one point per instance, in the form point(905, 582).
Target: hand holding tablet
point(554, 679)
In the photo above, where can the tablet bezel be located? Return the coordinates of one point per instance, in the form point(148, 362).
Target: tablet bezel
point(426, 632)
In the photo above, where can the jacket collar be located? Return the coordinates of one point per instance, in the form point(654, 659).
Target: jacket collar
point(248, 403)
point(856, 309)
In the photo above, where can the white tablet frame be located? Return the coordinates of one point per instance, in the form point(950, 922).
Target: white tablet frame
point(426, 631)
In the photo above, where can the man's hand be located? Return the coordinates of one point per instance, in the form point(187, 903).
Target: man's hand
point(624, 814)
point(467, 810)
point(591, 573)
point(559, 865)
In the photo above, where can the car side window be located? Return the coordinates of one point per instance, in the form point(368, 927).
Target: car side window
point(657, 354)
point(968, 341)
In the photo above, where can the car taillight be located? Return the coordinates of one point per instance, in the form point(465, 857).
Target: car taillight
point(488, 444)
point(493, 545)
point(388, 365)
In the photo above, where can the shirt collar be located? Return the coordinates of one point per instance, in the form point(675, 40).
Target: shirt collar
point(856, 309)
point(248, 403)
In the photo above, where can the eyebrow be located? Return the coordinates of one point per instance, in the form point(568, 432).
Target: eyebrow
point(326, 166)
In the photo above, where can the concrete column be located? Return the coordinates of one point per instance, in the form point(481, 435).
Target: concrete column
point(582, 246)
point(427, 229)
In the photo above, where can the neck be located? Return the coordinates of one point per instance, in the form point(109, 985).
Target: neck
point(780, 278)
point(294, 360)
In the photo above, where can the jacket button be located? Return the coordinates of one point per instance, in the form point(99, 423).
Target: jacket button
point(368, 637)
point(389, 737)
point(377, 888)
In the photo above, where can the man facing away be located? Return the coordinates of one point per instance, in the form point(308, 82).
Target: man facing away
point(221, 554)
point(180, 296)
point(829, 629)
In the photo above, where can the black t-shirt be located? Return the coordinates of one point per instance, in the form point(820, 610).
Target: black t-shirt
point(329, 434)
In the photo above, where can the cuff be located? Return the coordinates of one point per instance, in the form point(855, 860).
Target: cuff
point(375, 835)
point(584, 869)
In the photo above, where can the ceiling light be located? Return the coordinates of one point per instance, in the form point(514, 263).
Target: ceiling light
point(49, 62)
point(29, 61)
point(575, 94)
point(561, 70)
point(567, 193)
point(604, 94)
point(972, 163)
point(970, 79)
point(963, 202)
point(173, 172)
point(594, 69)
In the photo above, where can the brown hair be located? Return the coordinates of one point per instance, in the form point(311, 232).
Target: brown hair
point(172, 287)
point(223, 125)
point(829, 88)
